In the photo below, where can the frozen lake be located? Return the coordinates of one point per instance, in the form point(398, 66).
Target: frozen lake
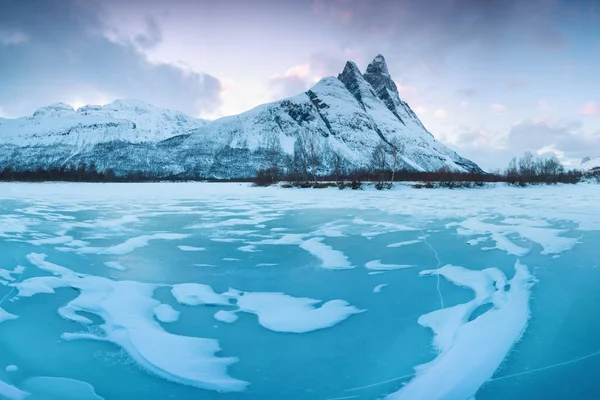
point(225, 291)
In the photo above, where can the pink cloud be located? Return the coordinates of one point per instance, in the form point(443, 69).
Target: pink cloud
point(590, 108)
point(499, 107)
point(440, 113)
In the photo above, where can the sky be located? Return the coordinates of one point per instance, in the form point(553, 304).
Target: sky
point(489, 78)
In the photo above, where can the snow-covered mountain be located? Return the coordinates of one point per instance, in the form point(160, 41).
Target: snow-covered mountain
point(588, 164)
point(348, 116)
point(122, 120)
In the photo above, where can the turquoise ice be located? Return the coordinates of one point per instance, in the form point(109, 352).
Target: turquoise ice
point(225, 291)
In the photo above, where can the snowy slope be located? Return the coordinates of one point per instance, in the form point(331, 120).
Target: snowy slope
point(126, 120)
point(588, 164)
point(349, 115)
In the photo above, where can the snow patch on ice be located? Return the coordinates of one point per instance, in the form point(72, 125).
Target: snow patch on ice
point(226, 316)
point(405, 243)
point(191, 248)
point(166, 313)
point(533, 231)
point(379, 266)
point(50, 387)
point(330, 258)
point(283, 313)
point(127, 309)
point(6, 316)
point(131, 244)
point(248, 249)
point(471, 351)
point(193, 294)
point(10, 392)
point(115, 265)
point(378, 288)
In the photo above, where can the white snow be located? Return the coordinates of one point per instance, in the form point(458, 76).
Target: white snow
point(471, 351)
point(129, 120)
point(191, 248)
point(193, 294)
point(283, 313)
point(378, 288)
point(379, 266)
point(166, 313)
point(330, 258)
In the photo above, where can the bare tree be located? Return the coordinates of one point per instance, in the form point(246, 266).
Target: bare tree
point(527, 165)
point(308, 154)
point(397, 150)
point(379, 164)
point(273, 155)
point(337, 163)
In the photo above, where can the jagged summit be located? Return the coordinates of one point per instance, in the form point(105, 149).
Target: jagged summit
point(348, 116)
point(378, 66)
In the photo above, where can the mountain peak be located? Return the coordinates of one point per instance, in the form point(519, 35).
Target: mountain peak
point(378, 66)
point(350, 68)
point(55, 109)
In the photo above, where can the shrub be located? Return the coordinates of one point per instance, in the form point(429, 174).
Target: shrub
point(356, 185)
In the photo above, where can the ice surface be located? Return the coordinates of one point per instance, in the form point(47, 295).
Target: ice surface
point(518, 217)
point(282, 313)
point(330, 258)
point(166, 313)
point(193, 294)
point(379, 266)
point(127, 309)
point(471, 351)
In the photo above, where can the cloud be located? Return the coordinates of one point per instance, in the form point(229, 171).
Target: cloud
point(427, 31)
point(420, 110)
point(498, 107)
point(151, 37)
point(79, 62)
point(12, 38)
point(568, 138)
point(440, 113)
point(302, 77)
point(590, 108)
